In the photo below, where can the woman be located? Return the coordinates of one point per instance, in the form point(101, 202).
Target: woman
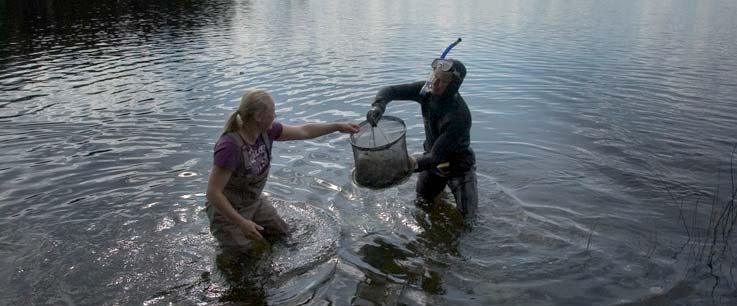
point(237, 211)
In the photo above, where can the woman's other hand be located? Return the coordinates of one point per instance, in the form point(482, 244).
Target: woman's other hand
point(348, 128)
point(250, 229)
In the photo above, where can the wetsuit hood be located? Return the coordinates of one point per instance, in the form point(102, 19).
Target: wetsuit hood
point(459, 73)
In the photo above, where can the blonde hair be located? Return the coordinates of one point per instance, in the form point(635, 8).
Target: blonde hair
point(253, 102)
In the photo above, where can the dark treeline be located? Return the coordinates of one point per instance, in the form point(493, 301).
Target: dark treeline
point(27, 26)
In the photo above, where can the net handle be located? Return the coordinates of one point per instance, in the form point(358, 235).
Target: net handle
point(389, 142)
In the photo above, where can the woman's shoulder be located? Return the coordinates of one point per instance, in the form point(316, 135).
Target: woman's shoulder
point(226, 140)
point(227, 152)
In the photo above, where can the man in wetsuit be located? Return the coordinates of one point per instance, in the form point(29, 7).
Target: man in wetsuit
point(448, 158)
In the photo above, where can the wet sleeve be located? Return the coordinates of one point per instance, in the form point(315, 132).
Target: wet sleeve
point(275, 131)
point(387, 94)
point(227, 153)
point(448, 142)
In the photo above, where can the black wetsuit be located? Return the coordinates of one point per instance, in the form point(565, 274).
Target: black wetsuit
point(447, 121)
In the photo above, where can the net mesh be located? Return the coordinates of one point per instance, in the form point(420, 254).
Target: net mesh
point(380, 153)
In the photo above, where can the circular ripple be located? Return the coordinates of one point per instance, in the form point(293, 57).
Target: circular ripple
point(304, 259)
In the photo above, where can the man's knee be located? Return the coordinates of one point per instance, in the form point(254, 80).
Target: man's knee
point(466, 194)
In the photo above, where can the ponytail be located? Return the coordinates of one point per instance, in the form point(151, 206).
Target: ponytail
point(231, 125)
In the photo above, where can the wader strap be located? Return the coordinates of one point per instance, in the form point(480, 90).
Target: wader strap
point(241, 142)
point(265, 139)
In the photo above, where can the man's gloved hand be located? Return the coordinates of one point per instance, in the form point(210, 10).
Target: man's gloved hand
point(412, 163)
point(374, 115)
point(444, 168)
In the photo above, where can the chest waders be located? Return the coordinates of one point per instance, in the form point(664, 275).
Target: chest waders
point(244, 194)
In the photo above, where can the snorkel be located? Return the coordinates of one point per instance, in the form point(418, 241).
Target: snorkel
point(447, 49)
point(428, 84)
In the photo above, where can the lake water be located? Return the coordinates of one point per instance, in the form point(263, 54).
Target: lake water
point(604, 131)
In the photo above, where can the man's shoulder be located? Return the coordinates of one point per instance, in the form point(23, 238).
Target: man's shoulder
point(458, 113)
point(460, 104)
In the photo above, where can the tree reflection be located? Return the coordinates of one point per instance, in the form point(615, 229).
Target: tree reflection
point(35, 25)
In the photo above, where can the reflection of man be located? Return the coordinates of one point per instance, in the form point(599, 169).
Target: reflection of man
point(395, 261)
point(448, 158)
point(416, 261)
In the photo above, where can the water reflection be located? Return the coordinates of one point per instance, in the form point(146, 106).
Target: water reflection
point(245, 275)
point(586, 112)
point(37, 27)
point(418, 263)
point(282, 270)
point(442, 225)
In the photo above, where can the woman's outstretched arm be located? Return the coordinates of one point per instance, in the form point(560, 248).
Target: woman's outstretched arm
point(312, 130)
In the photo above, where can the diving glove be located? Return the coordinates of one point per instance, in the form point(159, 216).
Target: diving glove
point(374, 115)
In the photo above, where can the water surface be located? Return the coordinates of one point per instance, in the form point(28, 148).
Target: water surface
point(604, 133)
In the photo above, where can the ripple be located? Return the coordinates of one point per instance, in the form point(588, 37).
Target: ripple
point(592, 122)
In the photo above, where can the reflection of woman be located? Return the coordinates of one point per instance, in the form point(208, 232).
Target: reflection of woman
point(237, 211)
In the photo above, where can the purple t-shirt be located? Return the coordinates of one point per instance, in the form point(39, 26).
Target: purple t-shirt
point(228, 153)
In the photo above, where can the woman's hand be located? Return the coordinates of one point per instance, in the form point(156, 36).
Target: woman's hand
point(250, 229)
point(348, 128)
